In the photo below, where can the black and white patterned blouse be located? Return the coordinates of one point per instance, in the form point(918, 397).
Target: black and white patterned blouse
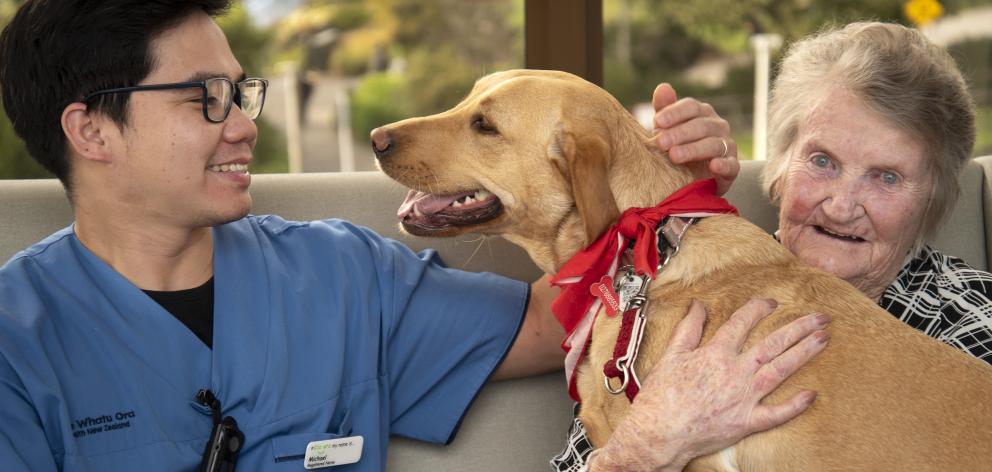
point(939, 295)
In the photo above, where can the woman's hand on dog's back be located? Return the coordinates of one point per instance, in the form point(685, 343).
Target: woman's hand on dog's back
point(700, 399)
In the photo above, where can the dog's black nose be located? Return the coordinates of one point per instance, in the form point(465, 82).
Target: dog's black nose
point(382, 143)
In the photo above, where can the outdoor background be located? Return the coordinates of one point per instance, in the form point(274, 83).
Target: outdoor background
point(339, 68)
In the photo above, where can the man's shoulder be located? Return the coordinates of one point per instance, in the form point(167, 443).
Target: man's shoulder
point(48, 251)
point(24, 282)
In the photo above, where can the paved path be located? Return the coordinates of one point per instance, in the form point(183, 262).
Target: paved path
point(319, 134)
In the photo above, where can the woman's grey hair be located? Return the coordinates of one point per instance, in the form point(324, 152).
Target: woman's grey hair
point(897, 72)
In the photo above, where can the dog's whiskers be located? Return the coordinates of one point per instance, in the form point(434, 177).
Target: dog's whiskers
point(437, 182)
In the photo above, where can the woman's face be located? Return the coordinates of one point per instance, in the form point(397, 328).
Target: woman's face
point(854, 193)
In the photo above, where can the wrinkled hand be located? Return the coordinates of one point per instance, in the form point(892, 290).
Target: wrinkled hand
point(693, 134)
point(698, 400)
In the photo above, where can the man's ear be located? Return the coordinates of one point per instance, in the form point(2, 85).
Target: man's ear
point(85, 132)
point(587, 158)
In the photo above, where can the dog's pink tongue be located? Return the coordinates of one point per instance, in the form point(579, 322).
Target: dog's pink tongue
point(428, 204)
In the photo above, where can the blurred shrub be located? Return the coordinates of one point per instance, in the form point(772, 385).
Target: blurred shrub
point(377, 100)
point(250, 44)
point(623, 82)
point(15, 162)
point(983, 140)
point(270, 155)
point(439, 78)
point(349, 16)
point(356, 50)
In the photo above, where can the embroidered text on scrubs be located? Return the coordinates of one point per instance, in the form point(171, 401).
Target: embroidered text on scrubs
point(93, 425)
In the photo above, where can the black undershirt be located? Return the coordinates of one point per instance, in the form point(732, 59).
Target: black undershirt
point(194, 307)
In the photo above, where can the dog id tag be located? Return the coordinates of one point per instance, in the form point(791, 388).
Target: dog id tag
point(627, 287)
point(603, 290)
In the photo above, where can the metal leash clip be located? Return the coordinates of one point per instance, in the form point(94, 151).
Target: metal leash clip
point(669, 240)
point(670, 235)
point(625, 363)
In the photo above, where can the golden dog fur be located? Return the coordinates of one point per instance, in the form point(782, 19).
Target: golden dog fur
point(565, 158)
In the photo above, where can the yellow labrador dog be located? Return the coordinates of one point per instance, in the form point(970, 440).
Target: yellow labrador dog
point(548, 160)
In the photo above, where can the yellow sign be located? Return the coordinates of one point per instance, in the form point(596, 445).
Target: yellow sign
point(922, 12)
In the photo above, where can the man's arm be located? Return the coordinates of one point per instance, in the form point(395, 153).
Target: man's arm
point(537, 348)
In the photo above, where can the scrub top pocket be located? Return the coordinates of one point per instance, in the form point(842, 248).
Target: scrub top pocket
point(293, 447)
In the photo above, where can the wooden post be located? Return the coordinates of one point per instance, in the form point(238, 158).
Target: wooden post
point(565, 35)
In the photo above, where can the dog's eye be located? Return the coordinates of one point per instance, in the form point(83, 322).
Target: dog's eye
point(480, 124)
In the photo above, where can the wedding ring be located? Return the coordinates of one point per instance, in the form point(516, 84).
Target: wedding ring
point(726, 148)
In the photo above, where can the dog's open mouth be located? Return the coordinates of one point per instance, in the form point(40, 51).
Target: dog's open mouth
point(426, 214)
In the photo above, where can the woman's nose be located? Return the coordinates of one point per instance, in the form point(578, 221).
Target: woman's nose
point(845, 202)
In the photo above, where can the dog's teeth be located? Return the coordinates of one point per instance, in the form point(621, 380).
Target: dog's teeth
point(482, 195)
point(456, 204)
point(416, 211)
point(469, 199)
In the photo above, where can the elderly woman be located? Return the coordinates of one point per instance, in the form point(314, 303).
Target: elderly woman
point(870, 126)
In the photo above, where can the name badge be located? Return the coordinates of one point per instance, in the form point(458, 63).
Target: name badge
point(332, 452)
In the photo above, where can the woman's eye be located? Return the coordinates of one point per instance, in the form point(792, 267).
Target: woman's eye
point(889, 177)
point(821, 161)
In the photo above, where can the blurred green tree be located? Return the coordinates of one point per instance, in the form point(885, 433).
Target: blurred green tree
point(445, 45)
point(650, 41)
point(449, 44)
point(15, 162)
point(249, 43)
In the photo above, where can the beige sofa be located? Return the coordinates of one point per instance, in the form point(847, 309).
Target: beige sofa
point(513, 425)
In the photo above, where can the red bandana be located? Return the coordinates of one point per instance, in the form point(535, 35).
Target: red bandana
point(596, 261)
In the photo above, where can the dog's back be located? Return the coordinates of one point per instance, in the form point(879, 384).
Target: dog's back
point(889, 397)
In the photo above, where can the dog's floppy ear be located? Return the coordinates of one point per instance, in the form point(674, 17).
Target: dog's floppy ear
point(587, 158)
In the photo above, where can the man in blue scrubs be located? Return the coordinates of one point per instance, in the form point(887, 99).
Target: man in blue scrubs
point(165, 321)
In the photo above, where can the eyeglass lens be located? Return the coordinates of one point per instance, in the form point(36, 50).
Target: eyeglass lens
point(221, 95)
point(252, 97)
point(219, 98)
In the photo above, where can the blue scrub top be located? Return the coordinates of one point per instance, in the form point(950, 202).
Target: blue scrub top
point(321, 330)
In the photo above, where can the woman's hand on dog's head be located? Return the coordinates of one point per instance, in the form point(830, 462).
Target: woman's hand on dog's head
point(696, 136)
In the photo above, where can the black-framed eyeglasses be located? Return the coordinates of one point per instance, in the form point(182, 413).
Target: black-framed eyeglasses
point(218, 95)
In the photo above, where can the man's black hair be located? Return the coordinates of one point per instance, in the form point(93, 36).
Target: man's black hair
point(55, 52)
